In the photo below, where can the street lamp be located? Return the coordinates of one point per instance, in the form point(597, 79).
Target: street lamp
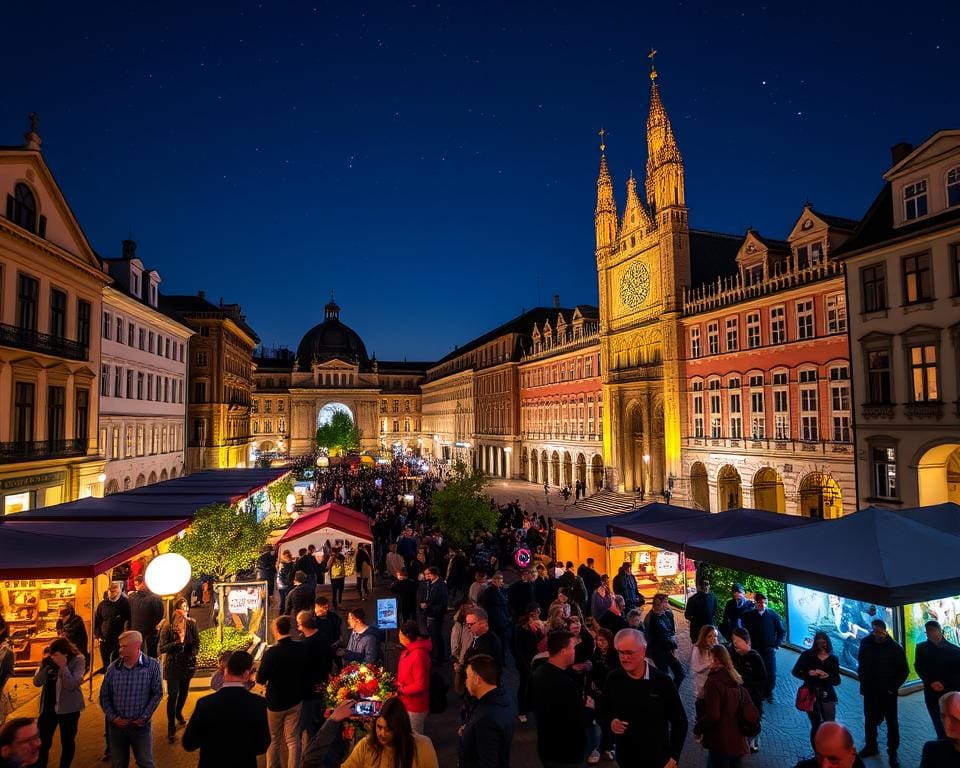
point(166, 575)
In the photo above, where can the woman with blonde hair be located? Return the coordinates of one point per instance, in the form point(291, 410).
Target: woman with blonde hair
point(701, 661)
point(717, 722)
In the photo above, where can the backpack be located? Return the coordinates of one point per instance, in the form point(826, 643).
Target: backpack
point(748, 716)
point(438, 692)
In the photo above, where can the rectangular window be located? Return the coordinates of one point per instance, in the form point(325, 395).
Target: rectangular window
point(955, 268)
point(28, 291)
point(56, 415)
point(923, 373)
point(141, 448)
point(715, 428)
point(805, 324)
point(713, 338)
point(150, 336)
point(836, 308)
point(58, 314)
point(115, 444)
point(879, 376)
point(736, 416)
point(107, 326)
point(200, 392)
point(756, 380)
point(873, 285)
point(119, 330)
point(129, 391)
point(758, 421)
point(840, 404)
point(141, 335)
point(781, 414)
point(803, 260)
point(695, 349)
point(809, 424)
point(118, 381)
point(139, 385)
point(23, 415)
point(917, 279)
point(753, 330)
point(105, 380)
point(915, 200)
point(131, 334)
point(84, 311)
point(149, 386)
point(778, 326)
point(884, 472)
point(733, 342)
point(698, 415)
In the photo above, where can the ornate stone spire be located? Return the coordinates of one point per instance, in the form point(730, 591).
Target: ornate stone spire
point(31, 137)
point(605, 217)
point(635, 215)
point(664, 185)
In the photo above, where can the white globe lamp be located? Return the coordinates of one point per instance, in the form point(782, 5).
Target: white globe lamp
point(167, 574)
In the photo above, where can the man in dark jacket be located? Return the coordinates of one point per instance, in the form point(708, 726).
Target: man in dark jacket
point(834, 747)
point(625, 585)
point(405, 589)
point(363, 645)
point(319, 657)
point(146, 613)
point(488, 732)
point(232, 710)
point(110, 620)
point(574, 584)
point(329, 625)
point(766, 634)
point(882, 666)
point(494, 601)
point(558, 706)
point(282, 672)
point(301, 597)
point(307, 564)
point(701, 609)
point(733, 611)
point(434, 607)
point(590, 578)
point(520, 594)
point(643, 708)
point(945, 752)
point(937, 662)
point(484, 641)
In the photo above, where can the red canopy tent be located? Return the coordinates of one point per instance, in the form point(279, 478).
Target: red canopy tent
point(329, 522)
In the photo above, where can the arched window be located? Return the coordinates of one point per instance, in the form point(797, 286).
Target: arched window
point(953, 187)
point(22, 207)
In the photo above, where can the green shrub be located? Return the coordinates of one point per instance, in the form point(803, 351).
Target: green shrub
point(211, 647)
point(722, 580)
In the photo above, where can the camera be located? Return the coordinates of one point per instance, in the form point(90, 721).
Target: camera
point(367, 708)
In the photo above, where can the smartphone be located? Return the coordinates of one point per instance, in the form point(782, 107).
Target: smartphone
point(367, 708)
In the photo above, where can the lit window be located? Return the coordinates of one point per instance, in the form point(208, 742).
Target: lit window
point(884, 460)
point(805, 324)
point(695, 349)
point(917, 279)
point(836, 313)
point(713, 338)
point(732, 333)
point(923, 372)
point(778, 326)
point(753, 330)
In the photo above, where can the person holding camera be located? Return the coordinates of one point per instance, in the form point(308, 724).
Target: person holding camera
point(179, 642)
point(61, 700)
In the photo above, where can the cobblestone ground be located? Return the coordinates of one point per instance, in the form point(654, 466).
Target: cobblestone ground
point(784, 739)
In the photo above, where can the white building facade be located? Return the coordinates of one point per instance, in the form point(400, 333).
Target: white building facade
point(143, 371)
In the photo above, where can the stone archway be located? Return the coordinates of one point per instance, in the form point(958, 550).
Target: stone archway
point(534, 466)
point(938, 475)
point(555, 468)
point(633, 447)
point(523, 463)
point(567, 469)
point(112, 487)
point(141, 480)
point(729, 489)
point(173, 473)
point(163, 475)
point(596, 470)
point(544, 468)
point(699, 486)
point(581, 468)
point(820, 496)
point(768, 491)
point(152, 479)
point(325, 414)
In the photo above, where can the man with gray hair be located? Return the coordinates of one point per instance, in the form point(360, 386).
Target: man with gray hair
point(834, 748)
point(643, 708)
point(945, 751)
point(130, 693)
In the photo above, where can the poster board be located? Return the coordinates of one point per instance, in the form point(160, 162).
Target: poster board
point(387, 613)
point(242, 605)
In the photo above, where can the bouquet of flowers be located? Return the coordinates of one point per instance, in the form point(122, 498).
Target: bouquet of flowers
point(359, 681)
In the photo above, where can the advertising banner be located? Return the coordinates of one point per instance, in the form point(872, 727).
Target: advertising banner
point(946, 611)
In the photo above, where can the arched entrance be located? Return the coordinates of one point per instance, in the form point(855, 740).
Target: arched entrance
point(163, 474)
point(267, 446)
point(768, 491)
point(581, 468)
point(534, 467)
point(938, 475)
point(699, 486)
point(153, 478)
point(820, 496)
point(523, 464)
point(141, 480)
point(544, 468)
point(633, 446)
point(325, 414)
point(112, 487)
point(555, 468)
point(596, 469)
point(729, 491)
point(567, 469)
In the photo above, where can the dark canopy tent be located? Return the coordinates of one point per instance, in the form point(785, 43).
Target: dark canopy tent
point(51, 549)
point(675, 534)
point(598, 528)
point(944, 517)
point(875, 555)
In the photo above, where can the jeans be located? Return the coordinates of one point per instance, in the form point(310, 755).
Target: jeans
point(47, 724)
point(716, 760)
point(284, 728)
point(417, 720)
point(177, 690)
point(769, 656)
point(311, 716)
point(665, 660)
point(932, 700)
point(139, 739)
point(878, 707)
point(822, 710)
point(337, 588)
point(435, 628)
point(363, 585)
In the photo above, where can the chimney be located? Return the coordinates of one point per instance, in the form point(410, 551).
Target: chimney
point(556, 301)
point(900, 151)
point(129, 249)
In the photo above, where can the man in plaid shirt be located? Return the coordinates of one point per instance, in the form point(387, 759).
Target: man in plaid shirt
point(131, 691)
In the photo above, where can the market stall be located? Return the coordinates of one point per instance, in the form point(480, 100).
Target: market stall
point(340, 526)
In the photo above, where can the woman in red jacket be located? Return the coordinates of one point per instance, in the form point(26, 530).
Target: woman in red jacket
point(413, 674)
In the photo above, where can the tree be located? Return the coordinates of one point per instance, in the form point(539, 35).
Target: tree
point(339, 434)
point(461, 508)
point(278, 492)
point(222, 541)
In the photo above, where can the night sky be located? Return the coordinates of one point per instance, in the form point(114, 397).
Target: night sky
point(435, 163)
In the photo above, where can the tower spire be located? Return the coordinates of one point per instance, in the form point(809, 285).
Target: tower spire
point(605, 217)
point(664, 184)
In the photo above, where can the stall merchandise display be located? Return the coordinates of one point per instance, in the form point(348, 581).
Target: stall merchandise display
point(31, 608)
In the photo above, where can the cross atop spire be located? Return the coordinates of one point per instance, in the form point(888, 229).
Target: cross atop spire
point(653, 64)
point(603, 140)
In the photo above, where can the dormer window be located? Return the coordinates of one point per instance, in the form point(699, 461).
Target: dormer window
point(134, 283)
point(915, 200)
point(153, 294)
point(22, 207)
point(953, 187)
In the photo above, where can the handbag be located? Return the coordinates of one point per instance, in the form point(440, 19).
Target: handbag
point(806, 698)
point(748, 716)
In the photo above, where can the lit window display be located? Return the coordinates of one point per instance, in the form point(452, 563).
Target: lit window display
point(946, 611)
point(658, 570)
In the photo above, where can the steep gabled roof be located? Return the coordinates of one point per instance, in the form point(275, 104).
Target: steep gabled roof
point(712, 254)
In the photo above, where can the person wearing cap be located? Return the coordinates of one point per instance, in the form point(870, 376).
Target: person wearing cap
point(701, 609)
point(733, 611)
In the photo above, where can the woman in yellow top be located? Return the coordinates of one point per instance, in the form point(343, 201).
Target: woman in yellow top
point(338, 576)
point(392, 743)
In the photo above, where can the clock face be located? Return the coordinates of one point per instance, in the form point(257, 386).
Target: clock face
point(634, 286)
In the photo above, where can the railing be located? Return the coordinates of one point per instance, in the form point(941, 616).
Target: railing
point(41, 449)
point(560, 435)
point(770, 444)
point(563, 346)
point(932, 409)
point(24, 338)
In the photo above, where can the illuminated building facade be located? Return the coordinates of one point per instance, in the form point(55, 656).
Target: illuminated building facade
point(143, 371)
point(767, 392)
point(51, 284)
point(903, 287)
point(220, 380)
point(561, 401)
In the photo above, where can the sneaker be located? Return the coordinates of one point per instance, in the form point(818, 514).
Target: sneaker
point(868, 752)
point(522, 718)
point(593, 758)
point(608, 755)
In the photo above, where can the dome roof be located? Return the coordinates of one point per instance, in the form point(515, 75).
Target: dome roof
point(331, 340)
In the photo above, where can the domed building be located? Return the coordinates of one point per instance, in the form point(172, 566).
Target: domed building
point(295, 392)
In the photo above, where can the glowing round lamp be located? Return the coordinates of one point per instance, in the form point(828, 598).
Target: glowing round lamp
point(323, 461)
point(167, 574)
point(291, 502)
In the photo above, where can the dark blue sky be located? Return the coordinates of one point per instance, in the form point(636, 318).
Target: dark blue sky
point(435, 163)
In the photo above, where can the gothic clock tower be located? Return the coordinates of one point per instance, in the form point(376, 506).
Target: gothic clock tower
point(643, 265)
